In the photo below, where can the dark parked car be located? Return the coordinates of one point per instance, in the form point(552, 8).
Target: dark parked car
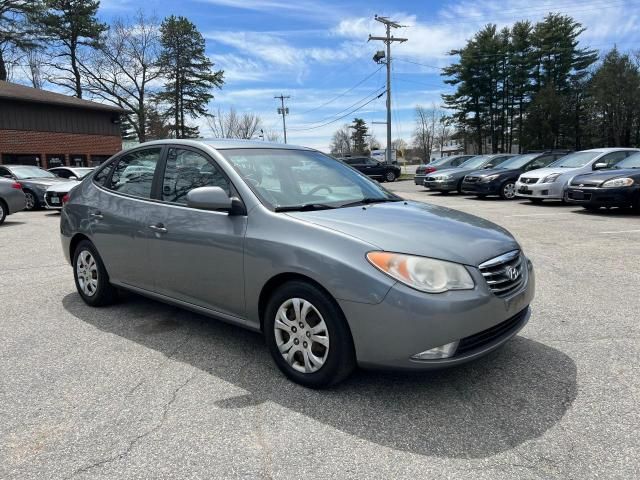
point(618, 186)
point(34, 181)
point(450, 179)
point(373, 168)
point(440, 164)
point(11, 198)
point(334, 270)
point(501, 181)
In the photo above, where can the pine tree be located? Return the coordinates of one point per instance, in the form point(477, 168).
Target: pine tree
point(17, 29)
point(71, 25)
point(358, 136)
point(189, 74)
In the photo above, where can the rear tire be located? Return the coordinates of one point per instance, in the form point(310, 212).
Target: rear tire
point(4, 210)
point(91, 278)
point(390, 177)
point(291, 315)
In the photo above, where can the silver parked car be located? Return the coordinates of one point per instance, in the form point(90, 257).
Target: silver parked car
point(55, 195)
point(332, 268)
point(551, 182)
point(34, 181)
point(12, 198)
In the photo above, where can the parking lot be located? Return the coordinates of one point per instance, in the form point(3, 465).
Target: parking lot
point(145, 390)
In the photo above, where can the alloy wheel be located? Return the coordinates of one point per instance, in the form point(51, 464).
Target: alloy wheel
point(301, 335)
point(390, 177)
point(87, 273)
point(509, 190)
point(31, 200)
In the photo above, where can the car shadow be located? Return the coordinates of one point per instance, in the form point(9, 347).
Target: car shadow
point(11, 223)
point(474, 411)
point(614, 212)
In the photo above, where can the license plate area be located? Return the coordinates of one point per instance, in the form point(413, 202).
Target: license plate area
point(525, 190)
point(55, 200)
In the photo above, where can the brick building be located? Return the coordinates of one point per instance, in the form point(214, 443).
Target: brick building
point(48, 129)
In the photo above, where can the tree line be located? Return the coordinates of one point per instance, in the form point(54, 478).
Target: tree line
point(534, 86)
point(157, 71)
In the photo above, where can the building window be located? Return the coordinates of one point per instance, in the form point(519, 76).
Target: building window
point(21, 159)
point(78, 160)
point(98, 160)
point(55, 160)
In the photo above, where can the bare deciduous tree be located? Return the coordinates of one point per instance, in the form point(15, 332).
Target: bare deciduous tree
point(425, 130)
point(341, 141)
point(230, 124)
point(125, 68)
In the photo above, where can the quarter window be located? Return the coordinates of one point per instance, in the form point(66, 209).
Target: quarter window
point(187, 170)
point(133, 174)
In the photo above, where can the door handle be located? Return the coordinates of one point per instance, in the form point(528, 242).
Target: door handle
point(160, 228)
point(97, 215)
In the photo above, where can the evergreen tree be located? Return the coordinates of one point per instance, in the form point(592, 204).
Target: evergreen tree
point(359, 136)
point(71, 25)
point(189, 74)
point(17, 30)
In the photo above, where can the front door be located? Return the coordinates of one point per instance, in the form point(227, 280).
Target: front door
point(197, 255)
point(119, 217)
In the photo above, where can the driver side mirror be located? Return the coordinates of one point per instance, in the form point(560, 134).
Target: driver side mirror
point(214, 198)
point(600, 166)
point(489, 165)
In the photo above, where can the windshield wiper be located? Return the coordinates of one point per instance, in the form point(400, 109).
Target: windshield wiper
point(367, 201)
point(304, 207)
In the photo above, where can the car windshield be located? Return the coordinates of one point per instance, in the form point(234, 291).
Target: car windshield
point(518, 161)
point(303, 180)
point(632, 161)
point(575, 160)
point(25, 172)
point(440, 161)
point(82, 172)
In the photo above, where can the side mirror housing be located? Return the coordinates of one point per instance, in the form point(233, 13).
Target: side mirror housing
point(214, 198)
point(600, 166)
point(73, 177)
point(489, 165)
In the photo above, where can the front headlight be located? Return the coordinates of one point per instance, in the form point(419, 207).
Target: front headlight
point(618, 182)
point(490, 178)
point(424, 274)
point(550, 178)
point(444, 178)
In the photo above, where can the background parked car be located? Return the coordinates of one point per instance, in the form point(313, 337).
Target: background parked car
point(501, 181)
point(550, 183)
point(71, 173)
point(618, 186)
point(34, 181)
point(450, 179)
point(440, 164)
point(12, 198)
point(373, 168)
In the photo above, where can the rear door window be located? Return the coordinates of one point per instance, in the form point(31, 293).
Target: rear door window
point(133, 173)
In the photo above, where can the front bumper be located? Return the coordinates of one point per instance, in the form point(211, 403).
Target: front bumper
point(441, 186)
point(481, 188)
point(604, 197)
point(408, 322)
point(53, 200)
point(551, 191)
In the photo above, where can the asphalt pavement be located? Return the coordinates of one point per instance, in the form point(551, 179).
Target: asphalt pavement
point(141, 390)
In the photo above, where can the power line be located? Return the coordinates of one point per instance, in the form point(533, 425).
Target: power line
point(340, 118)
point(418, 63)
point(343, 93)
point(375, 92)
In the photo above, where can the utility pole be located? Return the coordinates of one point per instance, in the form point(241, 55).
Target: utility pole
point(388, 40)
point(283, 111)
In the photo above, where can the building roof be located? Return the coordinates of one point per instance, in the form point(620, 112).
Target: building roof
point(13, 91)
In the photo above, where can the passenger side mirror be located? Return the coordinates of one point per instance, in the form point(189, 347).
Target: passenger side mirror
point(600, 166)
point(214, 198)
point(73, 177)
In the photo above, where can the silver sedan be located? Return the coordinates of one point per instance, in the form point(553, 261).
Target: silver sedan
point(12, 198)
point(334, 270)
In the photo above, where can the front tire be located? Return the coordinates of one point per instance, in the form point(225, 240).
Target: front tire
point(90, 275)
point(508, 191)
point(390, 177)
point(32, 202)
point(308, 336)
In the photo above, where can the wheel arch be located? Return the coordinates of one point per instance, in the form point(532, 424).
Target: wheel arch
point(75, 240)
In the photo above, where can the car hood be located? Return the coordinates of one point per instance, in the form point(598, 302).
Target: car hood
point(43, 182)
point(597, 178)
point(492, 171)
point(543, 172)
point(63, 187)
point(418, 229)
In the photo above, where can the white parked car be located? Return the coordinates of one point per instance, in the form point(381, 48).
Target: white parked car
point(54, 196)
point(550, 183)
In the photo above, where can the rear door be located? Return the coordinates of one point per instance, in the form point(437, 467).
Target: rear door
point(119, 217)
point(197, 256)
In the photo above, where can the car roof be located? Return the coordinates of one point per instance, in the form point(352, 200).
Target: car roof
point(608, 149)
point(224, 144)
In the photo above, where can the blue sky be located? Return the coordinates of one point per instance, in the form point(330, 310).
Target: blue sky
point(315, 51)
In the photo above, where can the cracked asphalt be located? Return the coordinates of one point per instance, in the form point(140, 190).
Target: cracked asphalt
point(141, 390)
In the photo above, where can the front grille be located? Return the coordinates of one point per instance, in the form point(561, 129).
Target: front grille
point(504, 274)
point(585, 183)
point(586, 196)
point(489, 335)
point(529, 180)
point(471, 179)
